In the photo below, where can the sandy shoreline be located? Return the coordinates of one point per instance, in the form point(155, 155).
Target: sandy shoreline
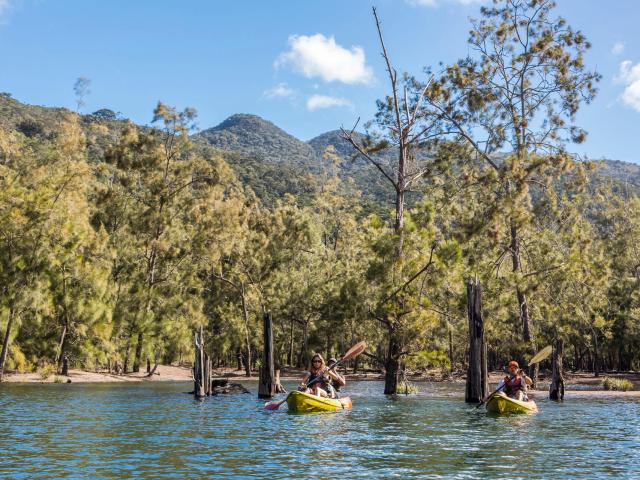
point(588, 385)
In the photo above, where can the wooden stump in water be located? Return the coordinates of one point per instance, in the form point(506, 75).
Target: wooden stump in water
point(198, 367)
point(279, 388)
point(207, 375)
point(556, 389)
point(477, 378)
point(267, 384)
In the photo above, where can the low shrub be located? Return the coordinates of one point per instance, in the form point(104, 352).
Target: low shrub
point(46, 370)
point(619, 384)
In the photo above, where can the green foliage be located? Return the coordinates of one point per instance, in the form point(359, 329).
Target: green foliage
point(117, 241)
point(426, 359)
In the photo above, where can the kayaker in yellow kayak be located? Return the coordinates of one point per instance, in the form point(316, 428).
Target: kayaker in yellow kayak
point(320, 387)
point(337, 382)
point(515, 383)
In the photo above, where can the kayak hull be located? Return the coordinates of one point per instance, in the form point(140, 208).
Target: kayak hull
point(501, 403)
point(300, 402)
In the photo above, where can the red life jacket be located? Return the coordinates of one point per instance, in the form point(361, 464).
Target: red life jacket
point(512, 385)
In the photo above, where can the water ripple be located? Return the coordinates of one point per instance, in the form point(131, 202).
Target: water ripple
point(154, 430)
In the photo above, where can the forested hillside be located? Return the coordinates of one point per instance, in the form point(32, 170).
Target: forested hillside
point(117, 241)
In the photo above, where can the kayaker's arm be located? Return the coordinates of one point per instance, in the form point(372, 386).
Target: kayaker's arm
point(303, 383)
point(337, 377)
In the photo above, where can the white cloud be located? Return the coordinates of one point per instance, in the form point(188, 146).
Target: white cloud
point(423, 3)
point(320, 56)
point(4, 7)
point(315, 102)
point(435, 3)
point(629, 76)
point(281, 90)
point(618, 48)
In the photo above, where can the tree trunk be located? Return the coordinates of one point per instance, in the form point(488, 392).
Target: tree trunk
point(556, 389)
point(63, 335)
point(5, 344)
point(198, 366)
point(451, 347)
point(239, 360)
point(207, 375)
point(61, 345)
point(523, 307)
point(596, 358)
point(392, 364)
point(290, 352)
point(64, 370)
point(304, 351)
point(477, 383)
point(247, 337)
point(138, 355)
point(267, 383)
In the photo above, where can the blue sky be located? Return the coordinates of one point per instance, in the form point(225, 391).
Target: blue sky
point(308, 66)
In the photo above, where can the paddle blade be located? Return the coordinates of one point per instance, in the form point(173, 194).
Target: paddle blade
point(541, 355)
point(273, 405)
point(354, 351)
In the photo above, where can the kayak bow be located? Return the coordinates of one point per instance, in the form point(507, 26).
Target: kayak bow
point(300, 402)
point(501, 403)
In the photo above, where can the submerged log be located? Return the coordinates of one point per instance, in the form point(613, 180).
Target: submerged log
point(556, 389)
point(223, 387)
point(267, 383)
point(477, 386)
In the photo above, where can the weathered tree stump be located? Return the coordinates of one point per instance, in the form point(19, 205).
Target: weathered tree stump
point(477, 377)
point(65, 366)
point(267, 384)
point(279, 388)
point(198, 367)
point(556, 389)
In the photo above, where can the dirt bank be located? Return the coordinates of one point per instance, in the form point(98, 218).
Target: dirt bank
point(162, 373)
point(578, 385)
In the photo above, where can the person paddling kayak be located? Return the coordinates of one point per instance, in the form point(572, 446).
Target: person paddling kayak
point(322, 386)
point(515, 383)
point(337, 382)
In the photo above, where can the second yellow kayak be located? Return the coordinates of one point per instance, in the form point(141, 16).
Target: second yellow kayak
point(300, 402)
point(501, 403)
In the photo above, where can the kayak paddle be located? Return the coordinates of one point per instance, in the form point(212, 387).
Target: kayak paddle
point(353, 352)
point(537, 358)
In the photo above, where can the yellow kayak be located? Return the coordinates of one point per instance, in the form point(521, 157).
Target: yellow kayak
point(300, 402)
point(500, 403)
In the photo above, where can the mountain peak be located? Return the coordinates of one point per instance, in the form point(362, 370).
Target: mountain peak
point(254, 136)
point(239, 119)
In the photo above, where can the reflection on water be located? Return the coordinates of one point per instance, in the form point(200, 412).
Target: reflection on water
point(154, 430)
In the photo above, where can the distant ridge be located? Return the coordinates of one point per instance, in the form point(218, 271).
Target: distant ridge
point(265, 157)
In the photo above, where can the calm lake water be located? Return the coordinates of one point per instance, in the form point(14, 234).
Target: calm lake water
point(154, 430)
